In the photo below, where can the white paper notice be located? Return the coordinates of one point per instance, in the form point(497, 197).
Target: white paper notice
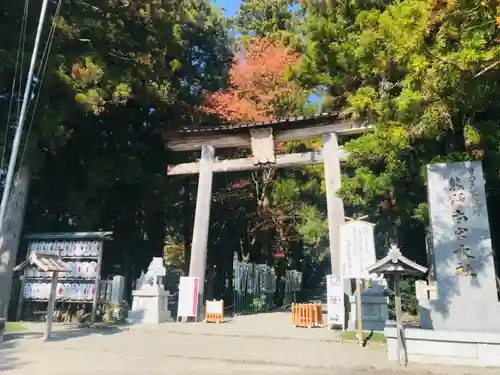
point(357, 251)
point(335, 300)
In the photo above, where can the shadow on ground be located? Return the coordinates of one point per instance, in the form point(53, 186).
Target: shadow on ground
point(70, 332)
point(8, 359)
point(12, 341)
point(272, 311)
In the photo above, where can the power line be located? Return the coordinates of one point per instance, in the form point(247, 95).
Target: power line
point(19, 56)
point(41, 74)
point(22, 117)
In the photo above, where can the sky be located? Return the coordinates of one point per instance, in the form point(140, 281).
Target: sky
point(230, 6)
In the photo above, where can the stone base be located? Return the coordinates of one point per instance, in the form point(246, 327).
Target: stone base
point(459, 315)
point(375, 312)
point(466, 348)
point(149, 306)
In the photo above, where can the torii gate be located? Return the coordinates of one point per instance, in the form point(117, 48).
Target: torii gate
point(261, 138)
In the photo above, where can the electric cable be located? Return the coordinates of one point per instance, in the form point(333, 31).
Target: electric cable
point(23, 35)
point(19, 61)
point(41, 74)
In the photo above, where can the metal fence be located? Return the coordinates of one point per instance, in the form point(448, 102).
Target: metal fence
point(293, 285)
point(254, 287)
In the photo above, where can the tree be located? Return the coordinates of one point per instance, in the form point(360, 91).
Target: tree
point(119, 72)
point(422, 72)
point(269, 18)
point(258, 88)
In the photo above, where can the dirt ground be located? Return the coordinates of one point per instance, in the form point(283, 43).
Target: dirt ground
point(262, 344)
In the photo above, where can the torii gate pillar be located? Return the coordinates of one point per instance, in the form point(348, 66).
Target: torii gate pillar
point(198, 263)
point(335, 206)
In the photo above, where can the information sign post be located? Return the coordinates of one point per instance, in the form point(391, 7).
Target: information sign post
point(357, 252)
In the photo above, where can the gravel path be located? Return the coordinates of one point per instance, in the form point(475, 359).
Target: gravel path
point(261, 345)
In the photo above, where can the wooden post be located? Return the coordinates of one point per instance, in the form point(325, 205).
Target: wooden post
point(51, 307)
point(97, 295)
point(20, 301)
point(399, 324)
point(198, 262)
point(359, 312)
point(335, 207)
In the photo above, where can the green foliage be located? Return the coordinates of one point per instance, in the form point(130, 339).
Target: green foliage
point(273, 18)
point(15, 327)
point(421, 73)
point(311, 225)
point(369, 336)
point(409, 303)
point(119, 74)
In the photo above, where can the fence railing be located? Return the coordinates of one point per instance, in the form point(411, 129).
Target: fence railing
point(293, 285)
point(254, 287)
point(307, 315)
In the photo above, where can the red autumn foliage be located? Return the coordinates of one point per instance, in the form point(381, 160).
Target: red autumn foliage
point(257, 81)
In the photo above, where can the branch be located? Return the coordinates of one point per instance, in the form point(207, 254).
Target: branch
point(488, 68)
point(256, 182)
point(267, 175)
point(119, 55)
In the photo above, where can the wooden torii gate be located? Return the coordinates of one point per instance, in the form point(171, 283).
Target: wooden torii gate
point(261, 138)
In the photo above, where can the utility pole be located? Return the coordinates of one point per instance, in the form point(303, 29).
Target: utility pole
point(10, 258)
point(22, 117)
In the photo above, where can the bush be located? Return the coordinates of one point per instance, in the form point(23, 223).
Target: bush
point(409, 303)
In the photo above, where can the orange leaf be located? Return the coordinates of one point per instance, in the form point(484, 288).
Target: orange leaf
point(257, 80)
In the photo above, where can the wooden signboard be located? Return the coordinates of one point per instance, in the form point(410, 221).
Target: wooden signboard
point(357, 253)
point(357, 250)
